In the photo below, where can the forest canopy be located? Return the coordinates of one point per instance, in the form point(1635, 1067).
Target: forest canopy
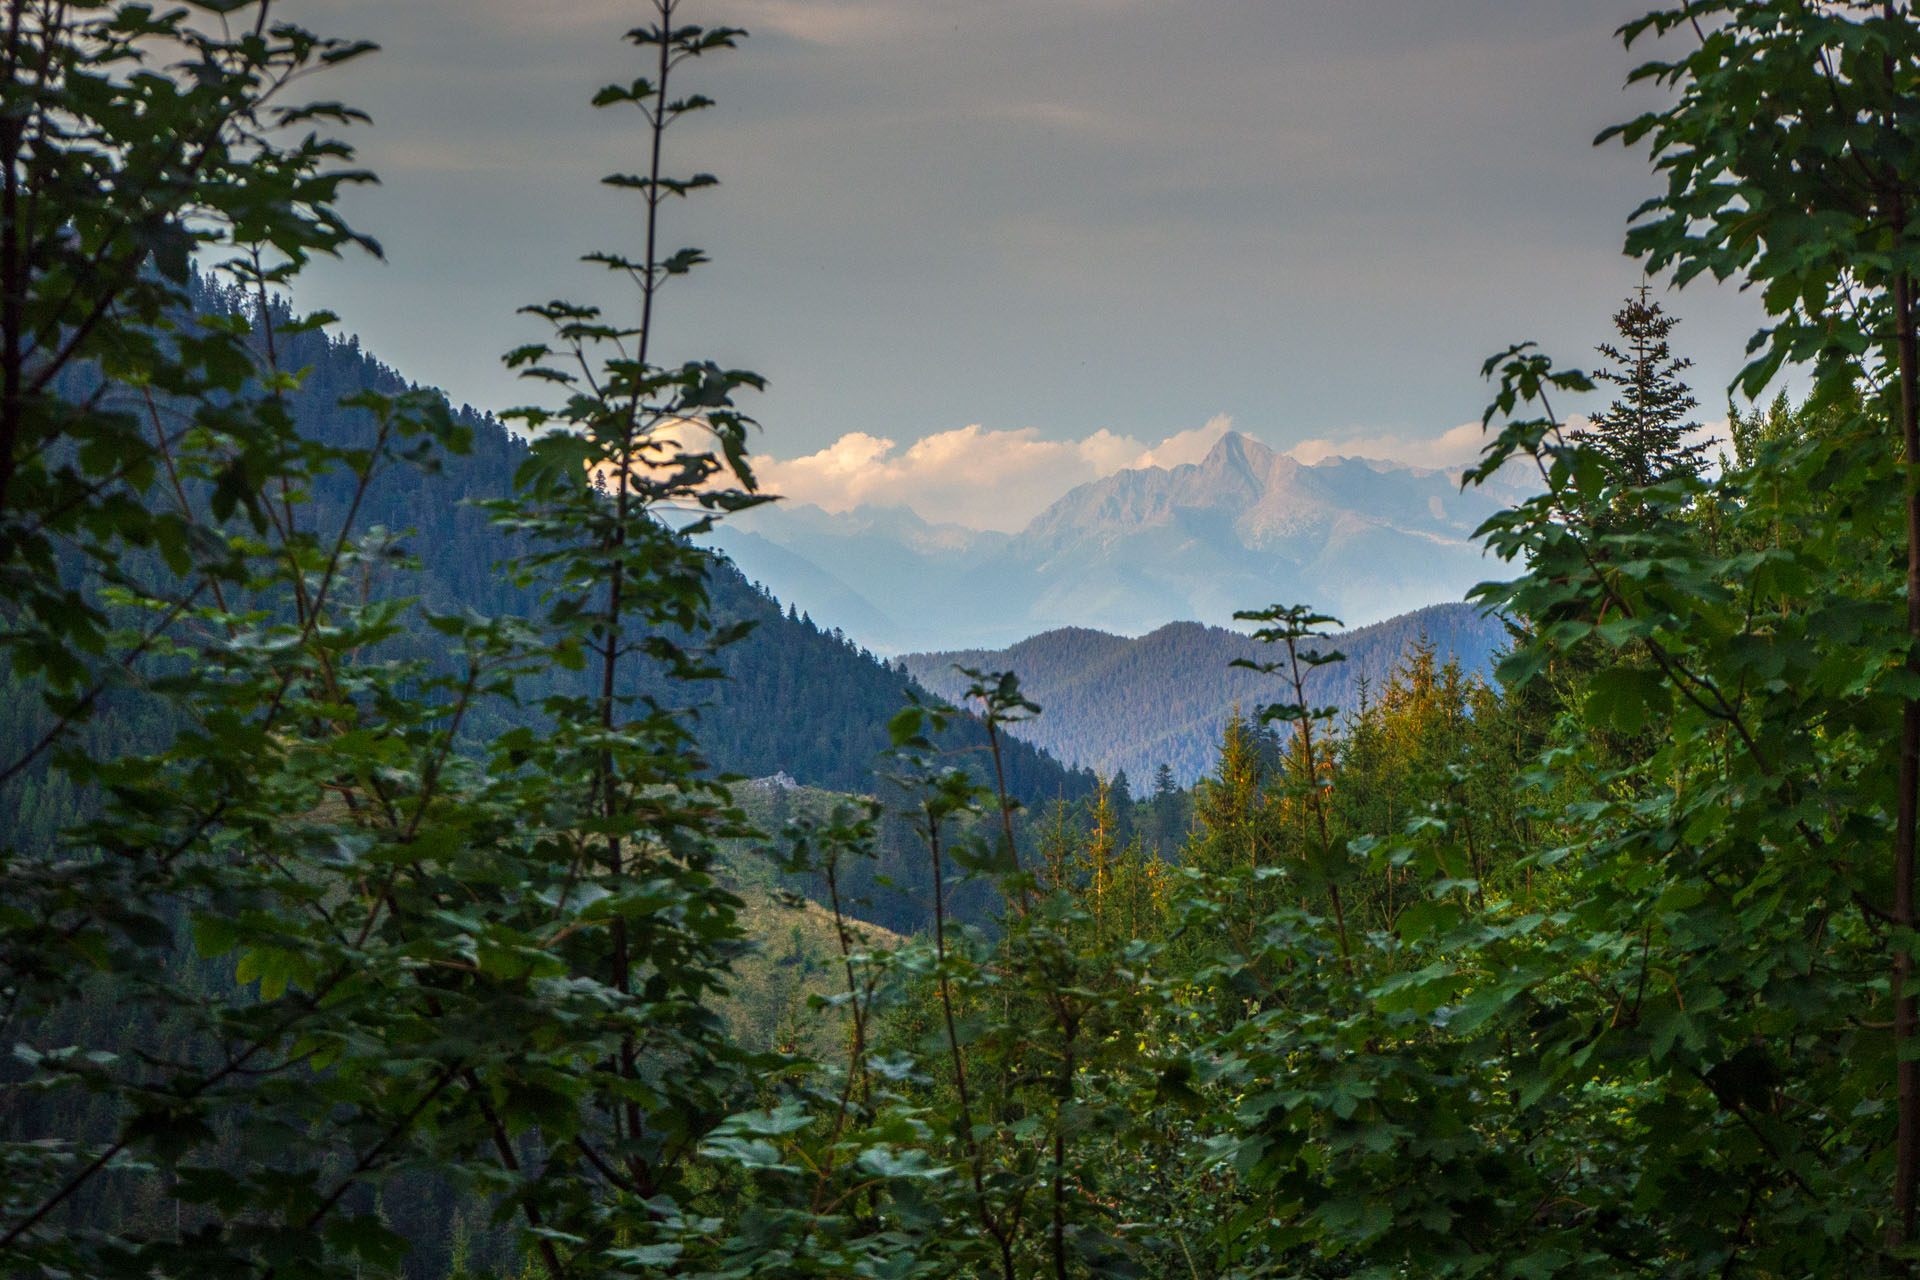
point(383, 931)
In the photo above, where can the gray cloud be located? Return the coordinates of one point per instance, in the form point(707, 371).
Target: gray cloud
point(1066, 215)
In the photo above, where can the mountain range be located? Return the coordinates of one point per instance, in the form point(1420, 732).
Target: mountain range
point(799, 697)
point(1130, 552)
point(1114, 705)
point(1243, 528)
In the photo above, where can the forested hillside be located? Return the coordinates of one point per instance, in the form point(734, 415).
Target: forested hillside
point(1118, 705)
point(795, 697)
point(398, 926)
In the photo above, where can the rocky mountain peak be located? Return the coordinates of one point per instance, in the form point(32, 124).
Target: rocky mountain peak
point(1238, 457)
point(1134, 550)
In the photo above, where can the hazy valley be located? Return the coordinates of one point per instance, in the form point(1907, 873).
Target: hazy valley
point(1117, 705)
point(1134, 551)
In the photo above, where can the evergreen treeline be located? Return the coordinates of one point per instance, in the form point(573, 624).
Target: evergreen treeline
point(1119, 705)
point(795, 698)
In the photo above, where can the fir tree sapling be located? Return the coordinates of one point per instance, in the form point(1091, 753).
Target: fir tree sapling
point(1643, 435)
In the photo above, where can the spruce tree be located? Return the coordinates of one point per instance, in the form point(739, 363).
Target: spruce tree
point(1229, 806)
point(1167, 824)
point(1097, 853)
point(1122, 800)
point(1642, 435)
point(1163, 783)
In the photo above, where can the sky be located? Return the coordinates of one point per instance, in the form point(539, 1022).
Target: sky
point(970, 239)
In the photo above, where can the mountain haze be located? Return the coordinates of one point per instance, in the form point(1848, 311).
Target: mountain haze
point(799, 697)
point(1244, 527)
point(1113, 704)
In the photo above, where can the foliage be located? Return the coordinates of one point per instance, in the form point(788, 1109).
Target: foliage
point(1625, 1002)
point(1121, 705)
point(1642, 436)
point(439, 964)
point(1598, 967)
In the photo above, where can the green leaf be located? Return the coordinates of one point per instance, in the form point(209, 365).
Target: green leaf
point(1627, 699)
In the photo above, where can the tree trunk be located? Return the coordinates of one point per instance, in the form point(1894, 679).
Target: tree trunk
point(1907, 1163)
point(13, 271)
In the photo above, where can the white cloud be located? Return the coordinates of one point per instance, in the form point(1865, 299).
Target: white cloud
point(1460, 446)
point(1184, 446)
point(972, 476)
point(1453, 448)
point(987, 479)
point(657, 454)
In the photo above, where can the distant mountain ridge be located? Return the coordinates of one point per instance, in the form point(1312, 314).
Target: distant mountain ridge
point(1135, 550)
point(798, 697)
point(1114, 704)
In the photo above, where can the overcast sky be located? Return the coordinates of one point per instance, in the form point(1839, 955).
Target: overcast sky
point(1080, 226)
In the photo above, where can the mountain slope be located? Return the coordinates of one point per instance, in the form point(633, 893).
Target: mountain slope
point(799, 696)
point(1135, 550)
point(1114, 704)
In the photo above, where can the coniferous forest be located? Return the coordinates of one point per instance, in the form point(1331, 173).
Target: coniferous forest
point(418, 857)
point(1130, 706)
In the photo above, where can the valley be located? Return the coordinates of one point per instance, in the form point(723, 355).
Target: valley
point(1117, 705)
point(1135, 551)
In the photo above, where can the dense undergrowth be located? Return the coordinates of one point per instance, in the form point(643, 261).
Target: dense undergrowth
point(409, 935)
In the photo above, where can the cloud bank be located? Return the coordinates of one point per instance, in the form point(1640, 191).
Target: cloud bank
point(1185, 446)
point(973, 476)
point(1454, 448)
point(1001, 480)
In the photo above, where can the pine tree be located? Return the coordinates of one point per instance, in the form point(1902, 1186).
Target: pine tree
point(1163, 783)
point(1167, 826)
point(1642, 436)
point(1228, 807)
point(1057, 845)
point(1136, 893)
point(1122, 800)
point(1097, 854)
